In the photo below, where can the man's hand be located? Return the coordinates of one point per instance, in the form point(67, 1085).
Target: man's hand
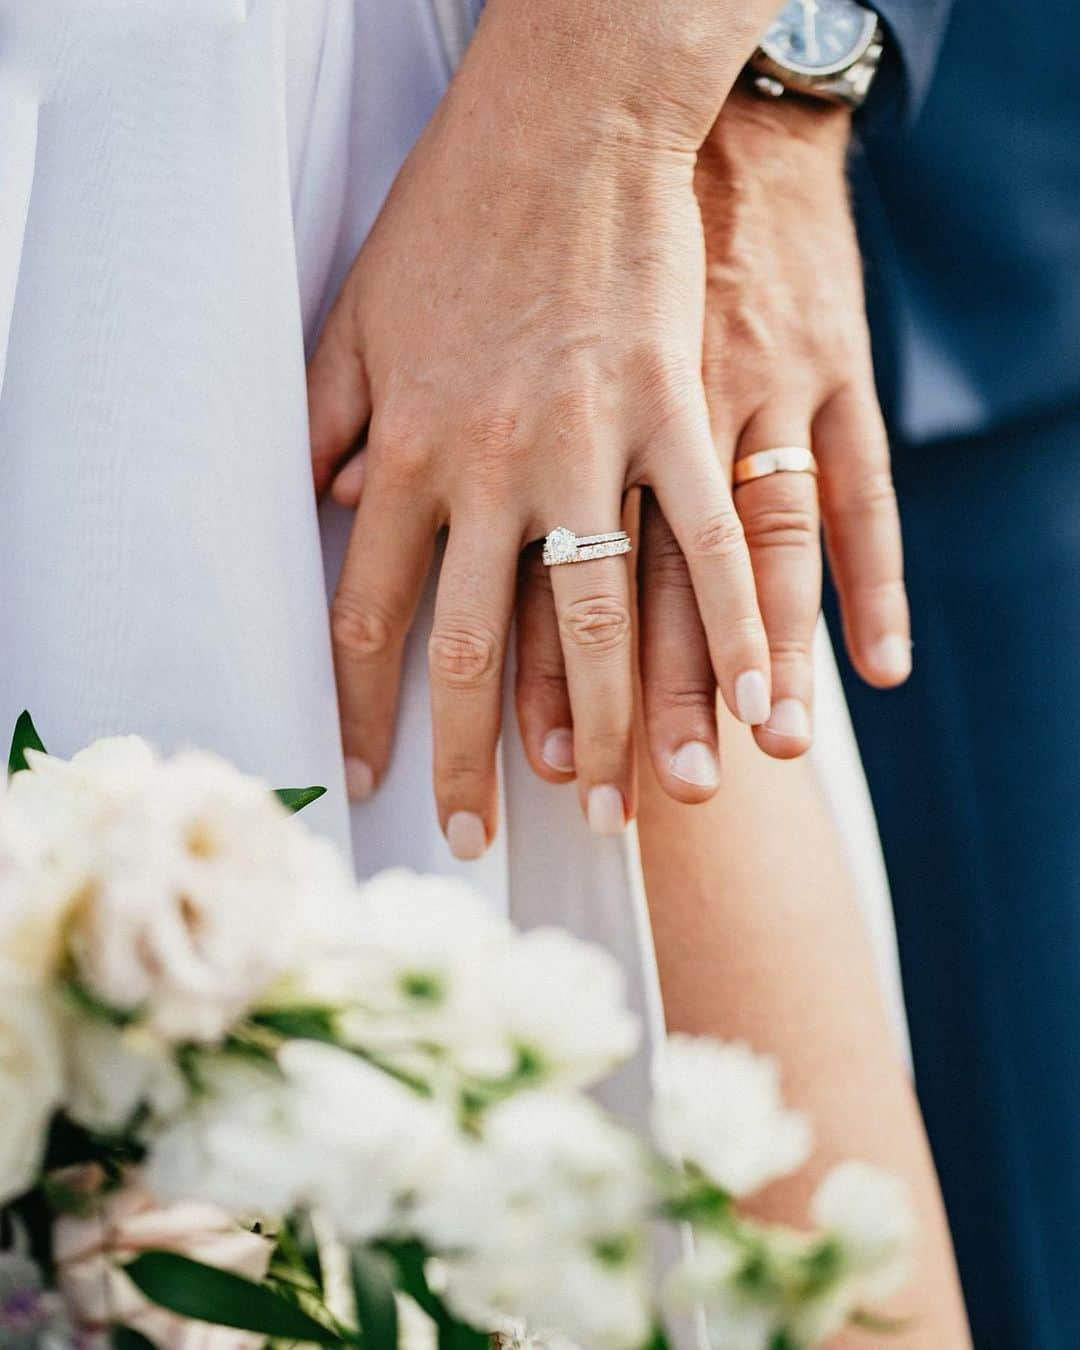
point(786, 362)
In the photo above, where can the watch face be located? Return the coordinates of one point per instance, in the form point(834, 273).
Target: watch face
point(819, 37)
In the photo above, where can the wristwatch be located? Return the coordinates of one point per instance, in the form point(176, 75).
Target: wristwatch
point(827, 49)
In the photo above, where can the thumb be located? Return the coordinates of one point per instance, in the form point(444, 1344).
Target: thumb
point(339, 399)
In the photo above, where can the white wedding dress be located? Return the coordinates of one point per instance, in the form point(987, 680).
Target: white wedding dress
point(182, 186)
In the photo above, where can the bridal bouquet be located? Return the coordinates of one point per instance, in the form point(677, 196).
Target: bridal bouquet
point(246, 1102)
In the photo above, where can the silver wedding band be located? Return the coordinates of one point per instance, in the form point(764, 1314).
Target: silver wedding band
point(778, 459)
point(564, 546)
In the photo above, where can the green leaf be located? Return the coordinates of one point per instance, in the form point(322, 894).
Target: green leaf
point(303, 1023)
point(191, 1289)
point(125, 1338)
point(295, 799)
point(376, 1307)
point(409, 1258)
point(24, 738)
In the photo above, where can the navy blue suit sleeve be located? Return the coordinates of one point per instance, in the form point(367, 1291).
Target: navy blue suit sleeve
point(914, 32)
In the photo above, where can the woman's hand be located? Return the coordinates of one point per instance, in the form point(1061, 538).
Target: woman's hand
point(786, 362)
point(523, 330)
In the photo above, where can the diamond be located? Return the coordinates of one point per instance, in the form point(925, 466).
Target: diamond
point(561, 545)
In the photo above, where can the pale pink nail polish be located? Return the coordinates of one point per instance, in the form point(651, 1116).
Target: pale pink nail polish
point(466, 836)
point(359, 779)
point(607, 810)
point(695, 763)
point(558, 751)
point(752, 697)
point(891, 657)
point(789, 718)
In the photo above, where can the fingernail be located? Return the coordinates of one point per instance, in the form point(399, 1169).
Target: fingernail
point(558, 751)
point(607, 812)
point(466, 836)
point(359, 780)
point(752, 697)
point(695, 763)
point(789, 718)
point(891, 657)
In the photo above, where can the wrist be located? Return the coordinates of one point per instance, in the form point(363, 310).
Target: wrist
point(784, 134)
point(661, 72)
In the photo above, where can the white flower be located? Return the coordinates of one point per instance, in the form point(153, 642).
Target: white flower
point(114, 1071)
point(542, 1220)
point(234, 1146)
point(869, 1212)
point(720, 1109)
point(562, 1008)
point(186, 886)
point(90, 1252)
point(328, 1132)
point(411, 974)
point(31, 1081)
point(374, 1144)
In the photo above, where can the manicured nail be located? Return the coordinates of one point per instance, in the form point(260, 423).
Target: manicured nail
point(607, 811)
point(891, 657)
point(558, 751)
point(695, 763)
point(359, 780)
point(466, 836)
point(752, 697)
point(789, 718)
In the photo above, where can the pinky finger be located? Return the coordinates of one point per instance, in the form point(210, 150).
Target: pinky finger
point(862, 530)
point(348, 487)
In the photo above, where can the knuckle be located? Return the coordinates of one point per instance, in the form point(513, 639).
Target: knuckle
point(398, 449)
point(663, 379)
point(791, 650)
point(888, 593)
point(720, 537)
point(873, 492)
point(781, 527)
point(458, 773)
point(596, 624)
point(607, 744)
point(463, 658)
point(684, 694)
point(541, 687)
point(362, 632)
point(495, 435)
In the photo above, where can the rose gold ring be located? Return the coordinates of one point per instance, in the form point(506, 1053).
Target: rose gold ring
point(780, 459)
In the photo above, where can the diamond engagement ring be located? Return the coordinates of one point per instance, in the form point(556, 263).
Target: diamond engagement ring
point(564, 546)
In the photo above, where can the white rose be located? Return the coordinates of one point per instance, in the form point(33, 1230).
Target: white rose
point(196, 887)
point(115, 1071)
point(45, 862)
point(542, 1220)
point(31, 1081)
point(234, 1146)
point(329, 1132)
point(373, 1144)
point(90, 1252)
point(719, 1108)
point(869, 1212)
point(412, 974)
point(561, 1004)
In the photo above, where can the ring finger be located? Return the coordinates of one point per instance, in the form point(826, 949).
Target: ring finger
point(592, 601)
point(779, 513)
